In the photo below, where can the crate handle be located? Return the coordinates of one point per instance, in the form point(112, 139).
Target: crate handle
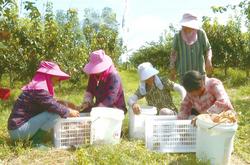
point(96, 119)
point(223, 121)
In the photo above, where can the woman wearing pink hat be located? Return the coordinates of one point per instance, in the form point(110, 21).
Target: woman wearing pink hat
point(36, 111)
point(191, 49)
point(104, 83)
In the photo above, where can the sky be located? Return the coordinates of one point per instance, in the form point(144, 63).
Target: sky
point(146, 20)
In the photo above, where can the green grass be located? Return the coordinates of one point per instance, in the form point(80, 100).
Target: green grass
point(127, 152)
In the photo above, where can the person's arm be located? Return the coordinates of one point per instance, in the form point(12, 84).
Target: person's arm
point(172, 67)
point(173, 57)
point(181, 90)
point(87, 101)
point(67, 104)
point(47, 102)
point(87, 97)
point(185, 109)
point(222, 102)
point(208, 55)
point(209, 66)
point(132, 101)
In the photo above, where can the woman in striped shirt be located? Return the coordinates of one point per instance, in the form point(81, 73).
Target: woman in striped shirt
point(191, 49)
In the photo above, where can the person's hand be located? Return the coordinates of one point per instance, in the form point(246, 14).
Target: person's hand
point(74, 113)
point(193, 121)
point(136, 109)
point(209, 67)
point(101, 105)
point(83, 106)
point(173, 74)
point(71, 105)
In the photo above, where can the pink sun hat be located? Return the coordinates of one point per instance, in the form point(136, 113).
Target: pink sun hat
point(190, 20)
point(53, 69)
point(98, 62)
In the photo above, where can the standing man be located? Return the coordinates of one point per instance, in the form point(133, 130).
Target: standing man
point(191, 49)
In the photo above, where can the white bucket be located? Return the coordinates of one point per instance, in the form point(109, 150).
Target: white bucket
point(107, 124)
point(214, 144)
point(137, 122)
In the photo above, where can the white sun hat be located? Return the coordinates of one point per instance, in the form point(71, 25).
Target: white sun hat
point(146, 70)
point(190, 20)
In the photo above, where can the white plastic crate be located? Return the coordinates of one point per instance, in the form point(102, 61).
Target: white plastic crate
point(137, 122)
point(73, 132)
point(167, 134)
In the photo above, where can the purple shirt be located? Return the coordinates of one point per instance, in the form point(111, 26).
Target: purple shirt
point(108, 92)
point(32, 102)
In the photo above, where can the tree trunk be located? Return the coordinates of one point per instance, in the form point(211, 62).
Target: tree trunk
point(0, 78)
point(11, 79)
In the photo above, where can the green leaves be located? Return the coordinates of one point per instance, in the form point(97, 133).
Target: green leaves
point(61, 38)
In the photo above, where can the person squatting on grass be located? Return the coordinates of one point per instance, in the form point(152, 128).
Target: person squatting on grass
point(191, 49)
point(36, 110)
point(156, 90)
point(205, 95)
point(104, 84)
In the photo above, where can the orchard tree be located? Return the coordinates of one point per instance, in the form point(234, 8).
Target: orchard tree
point(243, 47)
point(101, 32)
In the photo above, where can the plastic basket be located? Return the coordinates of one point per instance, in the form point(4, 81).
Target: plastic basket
point(73, 132)
point(167, 134)
point(137, 122)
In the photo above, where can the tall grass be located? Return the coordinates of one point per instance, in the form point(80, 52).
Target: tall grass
point(128, 151)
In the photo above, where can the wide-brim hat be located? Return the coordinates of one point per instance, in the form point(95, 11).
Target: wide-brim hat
point(53, 69)
point(146, 70)
point(190, 20)
point(98, 62)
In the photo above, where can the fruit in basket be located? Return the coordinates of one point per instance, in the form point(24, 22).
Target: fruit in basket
point(225, 116)
point(215, 118)
point(230, 115)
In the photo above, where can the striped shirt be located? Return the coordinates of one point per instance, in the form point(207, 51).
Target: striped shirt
point(159, 98)
point(214, 94)
point(190, 57)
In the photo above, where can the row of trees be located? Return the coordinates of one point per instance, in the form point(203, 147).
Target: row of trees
point(63, 38)
point(231, 46)
point(59, 37)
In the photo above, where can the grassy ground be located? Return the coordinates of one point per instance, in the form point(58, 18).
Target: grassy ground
point(127, 152)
